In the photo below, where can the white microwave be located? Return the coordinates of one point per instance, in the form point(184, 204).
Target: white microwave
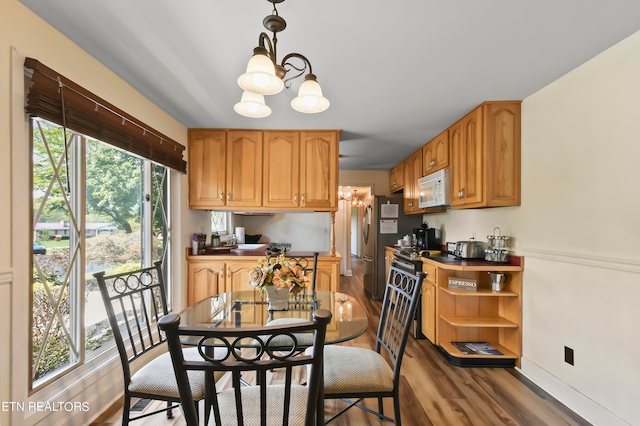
point(433, 189)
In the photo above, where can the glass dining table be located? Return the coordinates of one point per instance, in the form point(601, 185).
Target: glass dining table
point(248, 308)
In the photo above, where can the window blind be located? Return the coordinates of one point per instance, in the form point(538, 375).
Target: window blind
point(55, 98)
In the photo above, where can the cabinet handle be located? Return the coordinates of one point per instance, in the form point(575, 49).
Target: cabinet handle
point(221, 272)
point(228, 271)
point(228, 197)
point(295, 198)
point(303, 198)
point(432, 163)
point(222, 196)
point(461, 193)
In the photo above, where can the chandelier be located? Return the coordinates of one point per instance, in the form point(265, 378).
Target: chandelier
point(265, 76)
point(351, 196)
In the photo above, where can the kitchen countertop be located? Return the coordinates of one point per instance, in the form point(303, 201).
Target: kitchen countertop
point(257, 254)
point(451, 262)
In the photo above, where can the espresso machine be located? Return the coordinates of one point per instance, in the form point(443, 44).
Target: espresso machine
point(427, 238)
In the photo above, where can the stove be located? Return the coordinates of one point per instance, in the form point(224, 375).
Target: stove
point(411, 261)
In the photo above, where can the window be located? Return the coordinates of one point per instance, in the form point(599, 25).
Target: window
point(220, 222)
point(95, 207)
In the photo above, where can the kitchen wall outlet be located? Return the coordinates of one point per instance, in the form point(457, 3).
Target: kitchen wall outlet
point(568, 355)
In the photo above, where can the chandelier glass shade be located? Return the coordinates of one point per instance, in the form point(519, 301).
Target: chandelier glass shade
point(261, 76)
point(252, 105)
point(264, 76)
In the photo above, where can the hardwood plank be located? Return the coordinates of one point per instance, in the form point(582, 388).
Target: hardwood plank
point(432, 392)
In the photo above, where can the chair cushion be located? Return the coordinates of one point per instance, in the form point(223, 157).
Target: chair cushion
point(251, 405)
point(353, 370)
point(158, 378)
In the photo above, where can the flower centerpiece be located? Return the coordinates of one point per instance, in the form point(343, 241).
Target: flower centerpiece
point(277, 276)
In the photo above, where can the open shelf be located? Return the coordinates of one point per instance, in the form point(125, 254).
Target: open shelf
point(478, 293)
point(475, 321)
point(454, 356)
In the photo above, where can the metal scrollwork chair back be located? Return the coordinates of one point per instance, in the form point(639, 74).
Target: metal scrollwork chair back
point(353, 373)
point(135, 302)
point(271, 352)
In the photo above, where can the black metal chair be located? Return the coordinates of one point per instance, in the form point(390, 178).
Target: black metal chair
point(246, 351)
point(353, 374)
point(135, 301)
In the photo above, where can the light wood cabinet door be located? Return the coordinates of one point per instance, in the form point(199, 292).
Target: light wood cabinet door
point(396, 178)
point(435, 154)
point(205, 279)
point(407, 173)
point(319, 170)
point(281, 169)
point(502, 153)
point(466, 159)
point(244, 168)
point(207, 168)
point(412, 172)
point(237, 275)
point(485, 156)
point(429, 311)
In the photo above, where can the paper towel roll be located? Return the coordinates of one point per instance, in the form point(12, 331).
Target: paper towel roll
point(240, 234)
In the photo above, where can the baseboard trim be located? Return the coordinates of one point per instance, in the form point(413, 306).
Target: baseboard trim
point(574, 400)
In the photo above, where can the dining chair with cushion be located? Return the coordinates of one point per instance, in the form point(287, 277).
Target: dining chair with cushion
point(135, 301)
point(353, 373)
point(275, 398)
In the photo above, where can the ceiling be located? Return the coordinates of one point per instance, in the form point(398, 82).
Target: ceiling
point(396, 72)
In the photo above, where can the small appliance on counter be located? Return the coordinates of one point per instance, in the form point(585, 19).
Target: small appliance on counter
point(427, 238)
point(471, 249)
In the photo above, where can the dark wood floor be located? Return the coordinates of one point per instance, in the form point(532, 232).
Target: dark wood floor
point(433, 392)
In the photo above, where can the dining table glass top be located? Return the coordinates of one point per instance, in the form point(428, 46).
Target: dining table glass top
point(248, 308)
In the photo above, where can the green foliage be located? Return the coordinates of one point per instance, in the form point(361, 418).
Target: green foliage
point(113, 184)
point(55, 349)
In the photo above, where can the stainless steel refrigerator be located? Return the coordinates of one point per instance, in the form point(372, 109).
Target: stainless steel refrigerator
point(383, 224)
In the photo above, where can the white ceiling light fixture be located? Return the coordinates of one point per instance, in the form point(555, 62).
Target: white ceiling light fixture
point(252, 105)
point(264, 76)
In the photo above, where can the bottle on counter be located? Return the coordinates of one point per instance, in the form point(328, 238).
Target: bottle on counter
point(195, 245)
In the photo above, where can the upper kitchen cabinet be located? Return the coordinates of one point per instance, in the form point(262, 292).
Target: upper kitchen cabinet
point(281, 169)
point(263, 170)
point(207, 168)
point(301, 170)
point(319, 170)
point(244, 168)
point(485, 156)
point(435, 154)
point(396, 178)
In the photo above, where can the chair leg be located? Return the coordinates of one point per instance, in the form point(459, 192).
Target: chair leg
point(396, 408)
point(380, 406)
point(169, 410)
point(126, 407)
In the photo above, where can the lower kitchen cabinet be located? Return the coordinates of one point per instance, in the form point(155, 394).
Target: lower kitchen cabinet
point(214, 274)
point(482, 315)
point(428, 305)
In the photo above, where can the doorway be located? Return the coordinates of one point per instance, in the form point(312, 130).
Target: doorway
point(348, 225)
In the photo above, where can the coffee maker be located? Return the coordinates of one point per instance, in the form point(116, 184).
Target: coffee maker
point(427, 238)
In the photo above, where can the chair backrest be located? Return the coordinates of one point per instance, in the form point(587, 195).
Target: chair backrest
point(307, 266)
point(261, 350)
point(135, 301)
point(399, 304)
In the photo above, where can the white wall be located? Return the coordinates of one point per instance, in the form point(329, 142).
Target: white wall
point(579, 230)
point(305, 231)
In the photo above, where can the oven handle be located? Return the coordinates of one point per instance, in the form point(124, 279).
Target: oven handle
point(410, 267)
